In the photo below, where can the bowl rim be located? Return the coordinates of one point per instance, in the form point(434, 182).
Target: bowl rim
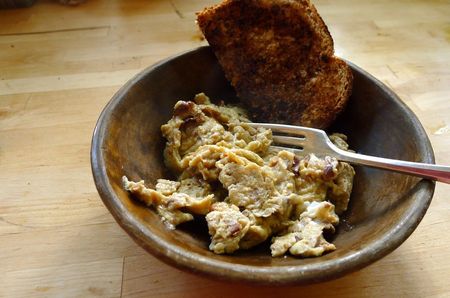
point(300, 274)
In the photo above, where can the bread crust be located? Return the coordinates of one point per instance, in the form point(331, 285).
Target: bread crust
point(279, 57)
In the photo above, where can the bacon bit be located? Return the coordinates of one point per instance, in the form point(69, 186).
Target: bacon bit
point(296, 166)
point(328, 173)
point(234, 229)
point(219, 117)
point(183, 108)
point(189, 121)
point(212, 113)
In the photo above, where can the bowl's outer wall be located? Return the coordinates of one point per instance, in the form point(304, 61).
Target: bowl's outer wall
point(385, 206)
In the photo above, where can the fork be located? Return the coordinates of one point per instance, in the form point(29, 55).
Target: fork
point(310, 140)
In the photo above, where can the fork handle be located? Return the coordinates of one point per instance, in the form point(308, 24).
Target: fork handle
point(429, 171)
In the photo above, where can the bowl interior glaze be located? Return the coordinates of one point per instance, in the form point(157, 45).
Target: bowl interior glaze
point(385, 206)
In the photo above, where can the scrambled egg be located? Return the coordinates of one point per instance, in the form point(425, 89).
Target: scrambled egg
point(247, 190)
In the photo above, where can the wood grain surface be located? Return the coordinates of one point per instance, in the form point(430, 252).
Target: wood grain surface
point(60, 65)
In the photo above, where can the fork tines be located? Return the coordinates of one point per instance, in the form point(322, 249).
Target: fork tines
point(292, 137)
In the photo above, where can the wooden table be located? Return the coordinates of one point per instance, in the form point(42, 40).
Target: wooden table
point(60, 65)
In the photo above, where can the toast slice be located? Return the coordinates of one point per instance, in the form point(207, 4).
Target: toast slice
point(279, 57)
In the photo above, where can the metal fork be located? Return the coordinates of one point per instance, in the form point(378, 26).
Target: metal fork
point(311, 140)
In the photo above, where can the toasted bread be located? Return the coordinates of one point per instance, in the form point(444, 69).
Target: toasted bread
point(279, 57)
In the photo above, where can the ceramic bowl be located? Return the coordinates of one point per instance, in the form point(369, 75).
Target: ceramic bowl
point(385, 207)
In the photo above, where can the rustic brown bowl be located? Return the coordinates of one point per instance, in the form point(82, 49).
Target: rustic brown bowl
point(385, 207)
